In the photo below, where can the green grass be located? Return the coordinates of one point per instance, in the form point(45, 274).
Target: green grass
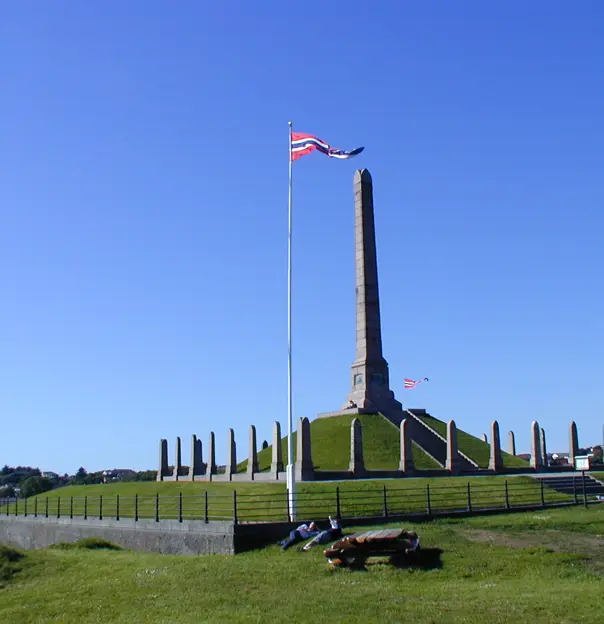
point(330, 442)
point(473, 447)
point(533, 567)
point(267, 501)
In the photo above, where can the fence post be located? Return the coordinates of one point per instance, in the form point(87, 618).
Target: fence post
point(16, 506)
point(46, 510)
point(117, 506)
point(71, 507)
point(180, 506)
point(7, 507)
point(428, 502)
point(136, 508)
point(58, 507)
point(584, 488)
point(235, 506)
point(385, 503)
point(205, 506)
point(575, 493)
point(86, 507)
point(338, 509)
point(469, 498)
point(25, 508)
point(157, 507)
point(542, 493)
point(36, 507)
point(507, 495)
point(101, 507)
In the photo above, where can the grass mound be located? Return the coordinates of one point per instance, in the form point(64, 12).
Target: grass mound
point(330, 443)
point(472, 446)
point(88, 543)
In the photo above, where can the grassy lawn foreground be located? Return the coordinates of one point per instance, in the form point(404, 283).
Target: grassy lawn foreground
point(537, 567)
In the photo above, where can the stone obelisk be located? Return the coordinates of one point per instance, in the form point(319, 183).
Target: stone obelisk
point(369, 372)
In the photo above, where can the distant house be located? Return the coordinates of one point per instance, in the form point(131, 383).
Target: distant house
point(53, 476)
point(117, 474)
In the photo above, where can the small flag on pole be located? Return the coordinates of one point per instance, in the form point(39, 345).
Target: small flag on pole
point(303, 144)
point(410, 383)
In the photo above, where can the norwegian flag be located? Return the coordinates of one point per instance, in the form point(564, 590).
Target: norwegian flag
point(302, 144)
point(410, 383)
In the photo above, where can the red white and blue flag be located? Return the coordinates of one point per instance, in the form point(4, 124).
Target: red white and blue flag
point(303, 144)
point(410, 383)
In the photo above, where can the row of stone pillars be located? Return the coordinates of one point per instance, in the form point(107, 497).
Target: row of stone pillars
point(304, 466)
point(197, 467)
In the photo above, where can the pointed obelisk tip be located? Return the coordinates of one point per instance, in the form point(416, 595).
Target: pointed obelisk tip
point(362, 175)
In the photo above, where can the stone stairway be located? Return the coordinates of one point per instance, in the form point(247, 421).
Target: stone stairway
point(568, 483)
point(433, 443)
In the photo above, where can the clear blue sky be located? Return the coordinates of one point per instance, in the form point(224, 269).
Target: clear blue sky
point(143, 198)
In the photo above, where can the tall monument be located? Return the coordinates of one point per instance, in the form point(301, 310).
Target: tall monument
point(369, 376)
point(370, 382)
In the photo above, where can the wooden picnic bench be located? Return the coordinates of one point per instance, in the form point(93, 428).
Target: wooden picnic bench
point(360, 546)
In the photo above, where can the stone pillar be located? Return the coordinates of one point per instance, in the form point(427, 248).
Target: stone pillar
point(277, 460)
point(369, 373)
point(356, 465)
point(252, 457)
point(452, 449)
point(406, 464)
point(177, 461)
point(163, 470)
point(496, 460)
point(511, 443)
point(573, 450)
point(212, 469)
point(196, 467)
point(304, 465)
point(231, 465)
point(535, 446)
point(484, 438)
point(543, 446)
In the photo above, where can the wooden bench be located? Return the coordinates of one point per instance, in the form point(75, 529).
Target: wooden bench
point(381, 543)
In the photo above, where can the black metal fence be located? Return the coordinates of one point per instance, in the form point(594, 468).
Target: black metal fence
point(343, 502)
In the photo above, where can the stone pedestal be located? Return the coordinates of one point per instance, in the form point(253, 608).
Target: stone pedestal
point(164, 469)
point(277, 459)
point(196, 467)
point(496, 460)
point(304, 467)
point(177, 461)
point(535, 446)
point(544, 460)
point(452, 448)
point(511, 443)
point(212, 468)
point(573, 450)
point(231, 465)
point(406, 464)
point(356, 465)
point(252, 461)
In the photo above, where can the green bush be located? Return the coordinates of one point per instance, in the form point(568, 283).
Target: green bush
point(8, 558)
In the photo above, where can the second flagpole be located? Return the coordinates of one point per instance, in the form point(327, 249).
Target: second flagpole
point(291, 477)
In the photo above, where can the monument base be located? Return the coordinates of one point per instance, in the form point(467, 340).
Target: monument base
point(394, 416)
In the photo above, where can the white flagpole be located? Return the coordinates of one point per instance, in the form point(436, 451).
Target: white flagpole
point(291, 477)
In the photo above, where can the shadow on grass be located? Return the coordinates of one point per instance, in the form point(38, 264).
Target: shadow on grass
point(425, 559)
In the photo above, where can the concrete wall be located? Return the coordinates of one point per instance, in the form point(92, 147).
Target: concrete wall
point(190, 537)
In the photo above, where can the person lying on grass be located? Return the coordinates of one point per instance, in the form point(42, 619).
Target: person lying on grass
point(303, 532)
point(333, 533)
